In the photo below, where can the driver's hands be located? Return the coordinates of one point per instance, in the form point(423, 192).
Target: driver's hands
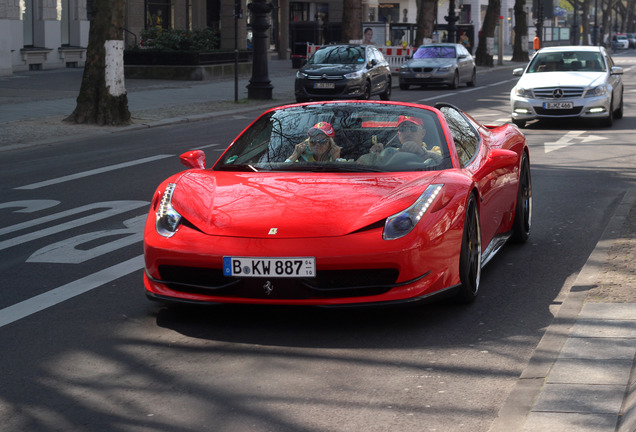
point(413, 147)
point(376, 148)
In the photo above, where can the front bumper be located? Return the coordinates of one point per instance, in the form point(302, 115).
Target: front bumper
point(423, 78)
point(342, 89)
point(531, 108)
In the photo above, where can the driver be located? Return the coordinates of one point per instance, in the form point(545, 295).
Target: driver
point(318, 147)
point(410, 132)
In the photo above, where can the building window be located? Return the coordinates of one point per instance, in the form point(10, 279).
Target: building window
point(158, 14)
point(65, 22)
point(26, 9)
point(389, 12)
point(298, 11)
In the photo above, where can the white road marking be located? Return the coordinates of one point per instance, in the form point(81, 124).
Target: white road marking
point(69, 251)
point(111, 208)
point(58, 295)
point(29, 206)
point(466, 90)
point(569, 139)
point(93, 172)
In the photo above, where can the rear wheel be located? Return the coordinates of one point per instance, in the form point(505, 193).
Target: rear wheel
point(523, 212)
point(473, 79)
point(386, 95)
point(455, 82)
point(470, 254)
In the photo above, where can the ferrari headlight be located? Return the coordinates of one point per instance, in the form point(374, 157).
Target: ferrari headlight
point(400, 224)
point(523, 92)
point(597, 91)
point(168, 219)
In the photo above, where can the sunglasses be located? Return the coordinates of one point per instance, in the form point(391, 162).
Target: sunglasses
point(407, 128)
point(318, 141)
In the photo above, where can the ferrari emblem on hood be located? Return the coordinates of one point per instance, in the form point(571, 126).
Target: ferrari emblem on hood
point(273, 231)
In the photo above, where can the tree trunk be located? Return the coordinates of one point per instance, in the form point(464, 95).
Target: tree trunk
point(485, 49)
point(351, 20)
point(424, 20)
point(102, 99)
point(520, 45)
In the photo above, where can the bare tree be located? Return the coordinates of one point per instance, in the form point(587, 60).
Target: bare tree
point(484, 54)
point(424, 20)
point(351, 20)
point(102, 98)
point(520, 44)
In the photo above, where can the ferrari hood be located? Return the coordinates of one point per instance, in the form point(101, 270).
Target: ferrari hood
point(556, 79)
point(291, 204)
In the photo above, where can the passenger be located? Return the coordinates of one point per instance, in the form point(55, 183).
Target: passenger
point(410, 132)
point(318, 147)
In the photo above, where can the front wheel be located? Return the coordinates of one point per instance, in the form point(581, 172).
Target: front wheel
point(519, 123)
point(618, 114)
point(386, 94)
point(455, 83)
point(366, 93)
point(523, 212)
point(470, 254)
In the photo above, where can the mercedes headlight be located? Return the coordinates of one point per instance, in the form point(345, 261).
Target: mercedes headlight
point(523, 92)
point(597, 91)
point(402, 223)
point(168, 219)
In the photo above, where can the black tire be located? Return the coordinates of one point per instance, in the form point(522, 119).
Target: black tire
point(470, 254)
point(609, 121)
point(519, 123)
point(386, 94)
point(618, 114)
point(473, 79)
point(455, 82)
point(366, 94)
point(523, 212)
point(404, 86)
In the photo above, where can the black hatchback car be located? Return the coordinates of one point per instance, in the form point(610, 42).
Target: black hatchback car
point(344, 72)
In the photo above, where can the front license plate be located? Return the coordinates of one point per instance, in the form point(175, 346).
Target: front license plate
point(558, 105)
point(422, 75)
point(324, 85)
point(269, 267)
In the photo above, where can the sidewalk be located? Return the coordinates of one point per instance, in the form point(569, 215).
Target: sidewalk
point(580, 377)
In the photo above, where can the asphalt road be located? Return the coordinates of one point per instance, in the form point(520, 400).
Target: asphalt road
point(83, 350)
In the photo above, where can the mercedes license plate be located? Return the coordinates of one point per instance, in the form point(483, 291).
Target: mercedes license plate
point(324, 85)
point(269, 267)
point(558, 105)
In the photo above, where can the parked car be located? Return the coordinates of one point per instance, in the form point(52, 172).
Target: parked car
point(620, 41)
point(439, 64)
point(344, 72)
point(631, 37)
point(378, 222)
point(568, 82)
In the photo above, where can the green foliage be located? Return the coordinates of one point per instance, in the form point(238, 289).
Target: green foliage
point(158, 39)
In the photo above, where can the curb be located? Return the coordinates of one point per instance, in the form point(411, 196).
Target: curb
point(513, 414)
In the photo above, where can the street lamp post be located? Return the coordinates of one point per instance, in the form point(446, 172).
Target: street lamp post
point(452, 18)
point(260, 87)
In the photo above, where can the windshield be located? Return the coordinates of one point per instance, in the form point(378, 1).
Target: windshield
point(352, 137)
point(582, 61)
point(338, 55)
point(435, 52)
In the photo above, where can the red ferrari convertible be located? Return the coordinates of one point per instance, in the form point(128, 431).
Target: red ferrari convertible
point(341, 203)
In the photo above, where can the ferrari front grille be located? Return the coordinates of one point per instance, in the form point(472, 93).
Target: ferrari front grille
point(327, 283)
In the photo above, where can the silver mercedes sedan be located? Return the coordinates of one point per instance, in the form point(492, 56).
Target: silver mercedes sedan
point(568, 82)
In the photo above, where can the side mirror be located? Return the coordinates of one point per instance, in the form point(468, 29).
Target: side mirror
point(497, 159)
point(373, 63)
point(517, 72)
point(616, 70)
point(193, 159)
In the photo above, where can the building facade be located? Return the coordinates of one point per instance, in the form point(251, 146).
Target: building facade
point(47, 34)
